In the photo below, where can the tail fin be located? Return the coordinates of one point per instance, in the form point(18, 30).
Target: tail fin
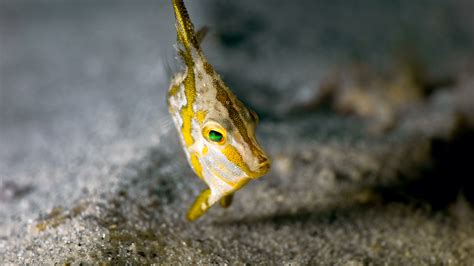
point(185, 29)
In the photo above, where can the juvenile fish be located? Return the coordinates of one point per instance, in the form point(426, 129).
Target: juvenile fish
point(217, 130)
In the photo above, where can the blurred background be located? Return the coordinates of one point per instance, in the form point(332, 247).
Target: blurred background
point(366, 107)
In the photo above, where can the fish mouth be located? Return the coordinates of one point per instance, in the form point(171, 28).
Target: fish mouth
point(262, 169)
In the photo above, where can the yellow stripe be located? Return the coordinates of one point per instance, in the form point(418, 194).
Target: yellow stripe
point(185, 30)
point(187, 112)
point(201, 115)
point(234, 156)
point(196, 165)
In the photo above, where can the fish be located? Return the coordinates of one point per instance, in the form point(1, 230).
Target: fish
point(216, 130)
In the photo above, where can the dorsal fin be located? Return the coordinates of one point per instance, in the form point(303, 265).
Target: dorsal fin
point(201, 34)
point(185, 29)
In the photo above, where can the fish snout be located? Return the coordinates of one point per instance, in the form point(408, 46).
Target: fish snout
point(264, 164)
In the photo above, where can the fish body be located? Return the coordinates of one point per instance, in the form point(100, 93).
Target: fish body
point(217, 130)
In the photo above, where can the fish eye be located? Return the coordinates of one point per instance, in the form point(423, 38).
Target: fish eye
point(214, 132)
point(215, 136)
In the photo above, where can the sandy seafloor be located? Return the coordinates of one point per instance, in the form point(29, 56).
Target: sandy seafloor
point(91, 169)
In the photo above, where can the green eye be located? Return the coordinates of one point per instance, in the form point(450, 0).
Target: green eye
point(215, 136)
